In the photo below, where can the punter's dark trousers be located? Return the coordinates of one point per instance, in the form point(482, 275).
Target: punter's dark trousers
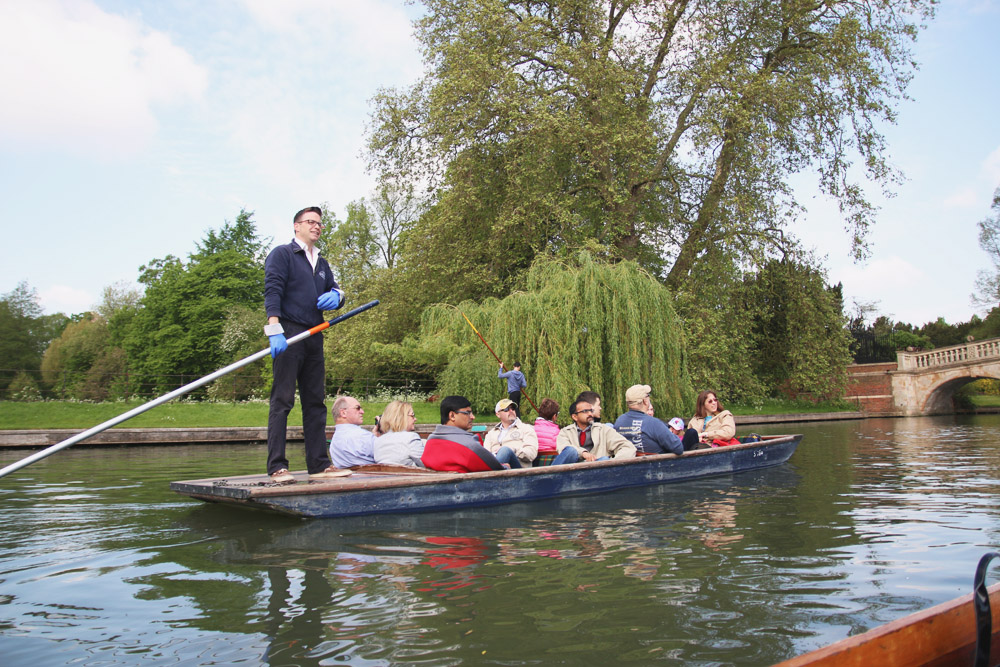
point(516, 397)
point(301, 363)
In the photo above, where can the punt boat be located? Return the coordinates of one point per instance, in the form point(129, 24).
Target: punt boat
point(964, 631)
point(380, 489)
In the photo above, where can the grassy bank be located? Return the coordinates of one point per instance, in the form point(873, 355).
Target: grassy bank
point(984, 400)
point(71, 414)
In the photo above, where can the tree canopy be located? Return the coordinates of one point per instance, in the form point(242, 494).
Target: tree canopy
point(178, 328)
point(660, 130)
point(25, 331)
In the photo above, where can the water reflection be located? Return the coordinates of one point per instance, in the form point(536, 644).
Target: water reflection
point(100, 563)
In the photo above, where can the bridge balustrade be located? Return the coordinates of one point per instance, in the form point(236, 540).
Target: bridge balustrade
point(956, 354)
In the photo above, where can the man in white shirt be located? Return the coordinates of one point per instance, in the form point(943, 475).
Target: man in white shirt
point(350, 445)
point(511, 441)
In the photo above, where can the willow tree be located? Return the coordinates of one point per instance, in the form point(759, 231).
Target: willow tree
point(657, 128)
point(578, 325)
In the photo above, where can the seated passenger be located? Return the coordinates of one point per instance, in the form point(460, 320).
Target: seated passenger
point(594, 399)
point(711, 421)
point(350, 445)
point(689, 437)
point(512, 441)
point(452, 447)
point(398, 443)
point(587, 440)
point(547, 430)
point(648, 434)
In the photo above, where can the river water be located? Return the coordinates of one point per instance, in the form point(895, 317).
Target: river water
point(100, 564)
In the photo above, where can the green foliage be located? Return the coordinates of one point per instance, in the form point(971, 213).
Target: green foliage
point(656, 129)
point(803, 346)
point(23, 388)
point(577, 325)
point(182, 319)
point(718, 326)
point(988, 327)
point(351, 246)
point(906, 339)
point(82, 363)
point(24, 330)
point(942, 334)
point(241, 337)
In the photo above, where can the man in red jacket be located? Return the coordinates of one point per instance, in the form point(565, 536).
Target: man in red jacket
point(452, 447)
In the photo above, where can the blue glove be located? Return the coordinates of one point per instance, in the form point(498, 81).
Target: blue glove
point(331, 300)
point(278, 344)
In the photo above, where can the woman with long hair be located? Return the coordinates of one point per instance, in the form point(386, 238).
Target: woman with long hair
point(711, 421)
point(399, 444)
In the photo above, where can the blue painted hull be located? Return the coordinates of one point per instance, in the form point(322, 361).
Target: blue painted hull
point(382, 490)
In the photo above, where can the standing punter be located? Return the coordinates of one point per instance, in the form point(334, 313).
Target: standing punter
point(515, 383)
point(298, 287)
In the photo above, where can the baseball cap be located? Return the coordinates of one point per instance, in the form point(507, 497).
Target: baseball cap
point(637, 392)
point(676, 422)
point(503, 404)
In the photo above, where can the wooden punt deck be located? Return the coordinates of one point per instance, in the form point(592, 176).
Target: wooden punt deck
point(389, 489)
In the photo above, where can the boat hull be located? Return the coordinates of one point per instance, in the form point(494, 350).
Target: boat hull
point(386, 489)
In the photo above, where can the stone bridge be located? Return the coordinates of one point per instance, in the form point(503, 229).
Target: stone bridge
point(922, 383)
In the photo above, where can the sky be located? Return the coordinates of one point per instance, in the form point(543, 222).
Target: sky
point(128, 128)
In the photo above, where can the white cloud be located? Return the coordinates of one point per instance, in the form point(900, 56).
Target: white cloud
point(79, 79)
point(293, 113)
point(65, 299)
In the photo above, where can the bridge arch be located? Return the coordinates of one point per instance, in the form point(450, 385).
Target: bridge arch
point(940, 398)
point(925, 382)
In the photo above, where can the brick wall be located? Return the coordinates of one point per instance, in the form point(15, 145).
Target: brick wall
point(870, 386)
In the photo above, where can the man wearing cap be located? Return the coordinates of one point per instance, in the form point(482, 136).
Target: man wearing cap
point(648, 434)
point(511, 441)
point(515, 383)
point(298, 287)
point(451, 446)
point(587, 440)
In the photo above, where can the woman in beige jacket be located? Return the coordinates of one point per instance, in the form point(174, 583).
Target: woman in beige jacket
point(711, 421)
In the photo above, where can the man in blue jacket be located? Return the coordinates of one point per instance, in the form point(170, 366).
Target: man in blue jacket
point(298, 287)
point(515, 383)
point(648, 434)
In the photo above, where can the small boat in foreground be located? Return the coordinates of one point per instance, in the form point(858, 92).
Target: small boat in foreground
point(379, 489)
point(964, 631)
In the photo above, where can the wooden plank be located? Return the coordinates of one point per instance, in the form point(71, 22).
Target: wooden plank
point(939, 636)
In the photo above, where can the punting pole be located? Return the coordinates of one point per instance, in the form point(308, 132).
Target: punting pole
point(495, 356)
point(177, 392)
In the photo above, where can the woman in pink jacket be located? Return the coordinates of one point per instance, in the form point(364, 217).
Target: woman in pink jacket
point(546, 427)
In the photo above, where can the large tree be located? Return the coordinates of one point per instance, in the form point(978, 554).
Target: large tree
point(659, 129)
point(25, 331)
point(177, 331)
point(579, 324)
